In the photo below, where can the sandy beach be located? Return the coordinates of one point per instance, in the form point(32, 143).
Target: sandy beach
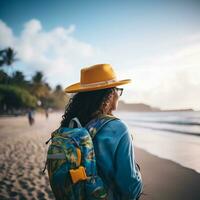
point(22, 156)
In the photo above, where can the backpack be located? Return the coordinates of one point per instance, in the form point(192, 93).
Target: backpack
point(71, 162)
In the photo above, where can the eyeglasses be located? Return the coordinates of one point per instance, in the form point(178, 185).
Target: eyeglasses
point(119, 91)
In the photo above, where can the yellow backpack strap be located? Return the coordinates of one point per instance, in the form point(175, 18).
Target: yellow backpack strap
point(78, 156)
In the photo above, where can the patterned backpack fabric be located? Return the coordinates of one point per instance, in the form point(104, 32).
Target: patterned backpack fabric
point(71, 162)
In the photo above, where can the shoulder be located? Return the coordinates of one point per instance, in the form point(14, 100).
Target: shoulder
point(116, 127)
point(117, 123)
point(112, 136)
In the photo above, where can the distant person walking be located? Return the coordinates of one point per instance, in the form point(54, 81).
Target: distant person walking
point(31, 119)
point(46, 113)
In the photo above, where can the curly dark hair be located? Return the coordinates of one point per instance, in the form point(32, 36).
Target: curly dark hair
point(88, 105)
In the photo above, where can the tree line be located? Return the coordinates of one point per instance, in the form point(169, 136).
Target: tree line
point(17, 94)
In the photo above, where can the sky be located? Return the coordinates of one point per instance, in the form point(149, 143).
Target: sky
point(154, 43)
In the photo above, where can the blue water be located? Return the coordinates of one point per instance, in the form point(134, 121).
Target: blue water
point(170, 135)
point(175, 122)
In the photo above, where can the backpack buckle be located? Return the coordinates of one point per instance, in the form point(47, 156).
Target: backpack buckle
point(78, 174)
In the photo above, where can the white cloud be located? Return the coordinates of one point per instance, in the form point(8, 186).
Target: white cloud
point(56, 52)
point(168, 81)
point(6, 35)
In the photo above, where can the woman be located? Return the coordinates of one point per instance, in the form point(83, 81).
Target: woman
point(96, 95)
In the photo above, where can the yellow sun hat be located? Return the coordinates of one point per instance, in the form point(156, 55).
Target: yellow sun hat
point(96, 77)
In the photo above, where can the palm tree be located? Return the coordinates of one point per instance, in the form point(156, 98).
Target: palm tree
point(7, 56)
point(58, 88)
point(40, 88)
point(2, 52)
point(38, 77)
point(3, 77)
point(60, 99)
point(18, 78)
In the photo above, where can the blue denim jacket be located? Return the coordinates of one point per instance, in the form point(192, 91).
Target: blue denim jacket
point(115, 157)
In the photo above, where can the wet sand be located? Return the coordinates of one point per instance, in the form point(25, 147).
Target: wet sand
point(165, 180)
point(22, 155)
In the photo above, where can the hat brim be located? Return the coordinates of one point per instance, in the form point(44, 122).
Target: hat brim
point(77, 87)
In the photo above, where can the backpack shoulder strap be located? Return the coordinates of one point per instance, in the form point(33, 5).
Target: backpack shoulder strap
point(95, 125)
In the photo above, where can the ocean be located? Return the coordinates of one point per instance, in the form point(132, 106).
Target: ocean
point(170, 135)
